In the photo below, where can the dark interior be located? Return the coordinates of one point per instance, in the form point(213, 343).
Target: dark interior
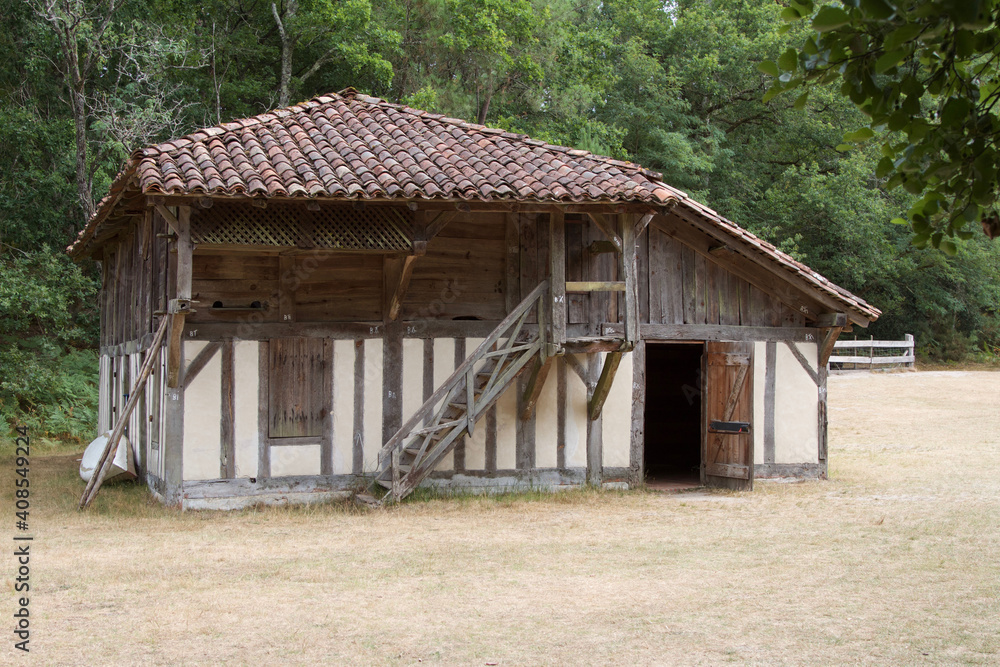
point(673, 413)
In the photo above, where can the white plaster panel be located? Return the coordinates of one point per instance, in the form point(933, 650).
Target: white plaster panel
point(576, 417)
point(413, 376)
point(507, 429)
point(616, 419)
point(796, 403)
point(343, 406)
point(289, 460)
point(246, 399)
point(758, 378)
point(547, 424)
point(202, 417)
point(373, 402)
point(475, 447)
point(444, 366)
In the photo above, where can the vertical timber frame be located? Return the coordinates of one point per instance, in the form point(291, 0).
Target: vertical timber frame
point(179, 304)
point(557, 279)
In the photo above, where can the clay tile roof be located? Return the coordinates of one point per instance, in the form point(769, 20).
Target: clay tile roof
point(352, 146)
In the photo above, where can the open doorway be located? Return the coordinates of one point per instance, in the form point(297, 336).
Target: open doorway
point(672, 449)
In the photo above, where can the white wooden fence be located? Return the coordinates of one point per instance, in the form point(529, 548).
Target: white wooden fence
point(871, 354)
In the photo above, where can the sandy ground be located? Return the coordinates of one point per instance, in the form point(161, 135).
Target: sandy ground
point(894, 560)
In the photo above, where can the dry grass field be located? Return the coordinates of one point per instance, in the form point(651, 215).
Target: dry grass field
point(893, 561)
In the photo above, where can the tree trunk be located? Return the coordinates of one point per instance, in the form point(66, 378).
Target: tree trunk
point(287, 48)
point(83, 182)
point(485, 108)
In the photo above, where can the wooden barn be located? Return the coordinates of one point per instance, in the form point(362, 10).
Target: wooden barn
point(349, 290)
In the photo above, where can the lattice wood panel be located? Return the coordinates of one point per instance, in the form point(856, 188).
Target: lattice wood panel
point(279, 225)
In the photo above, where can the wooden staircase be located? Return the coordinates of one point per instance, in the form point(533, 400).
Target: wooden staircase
point(453, 410)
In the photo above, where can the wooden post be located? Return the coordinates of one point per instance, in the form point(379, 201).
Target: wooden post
point(630, 275)
point(557, 280)
point(180, 306)
point(595, 441)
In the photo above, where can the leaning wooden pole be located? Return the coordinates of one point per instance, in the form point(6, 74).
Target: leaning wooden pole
point(108, 455)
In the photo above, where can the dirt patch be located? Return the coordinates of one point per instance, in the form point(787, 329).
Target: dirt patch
point(892, 561)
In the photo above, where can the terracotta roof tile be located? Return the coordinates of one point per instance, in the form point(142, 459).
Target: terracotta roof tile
point(350, 145)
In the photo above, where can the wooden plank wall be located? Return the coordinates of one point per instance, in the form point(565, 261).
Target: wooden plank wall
point(679, 286)
point(462, 276)
point(584, 265)
point(134, 271)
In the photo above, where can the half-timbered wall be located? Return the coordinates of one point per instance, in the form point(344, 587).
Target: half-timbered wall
point(788, 388)
point(550, 448)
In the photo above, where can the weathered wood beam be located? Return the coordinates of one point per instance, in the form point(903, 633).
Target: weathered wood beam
point(721, 332)
point(533, 389)
point(595, 286)
point(629, 272)
point(642, 223)
point(603, 388)
point(107, 456)
point(180, 306)
point(826, 347)
point(174, 350)
point(199, 362)
point(574, 364)
point(605, 226)
point(287, 282)
point(169, 217)
point(398, 271)
point(599, 247)
point(824, 320)
point(557, 280)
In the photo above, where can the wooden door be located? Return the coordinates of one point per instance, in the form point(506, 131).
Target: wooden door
point(297, 403)
point(727, 454)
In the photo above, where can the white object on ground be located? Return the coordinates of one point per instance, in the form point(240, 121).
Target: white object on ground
point(121, 465)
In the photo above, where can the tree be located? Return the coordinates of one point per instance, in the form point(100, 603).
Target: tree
point(926, 76)
point(327, 31)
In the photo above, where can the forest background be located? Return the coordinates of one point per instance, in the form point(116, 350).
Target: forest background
point(673, 86)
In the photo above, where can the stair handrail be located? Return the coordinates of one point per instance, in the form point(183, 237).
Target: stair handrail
point(455, 378)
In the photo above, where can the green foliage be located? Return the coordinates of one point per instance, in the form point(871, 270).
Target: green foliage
point(46, 381)
point(925, 76)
